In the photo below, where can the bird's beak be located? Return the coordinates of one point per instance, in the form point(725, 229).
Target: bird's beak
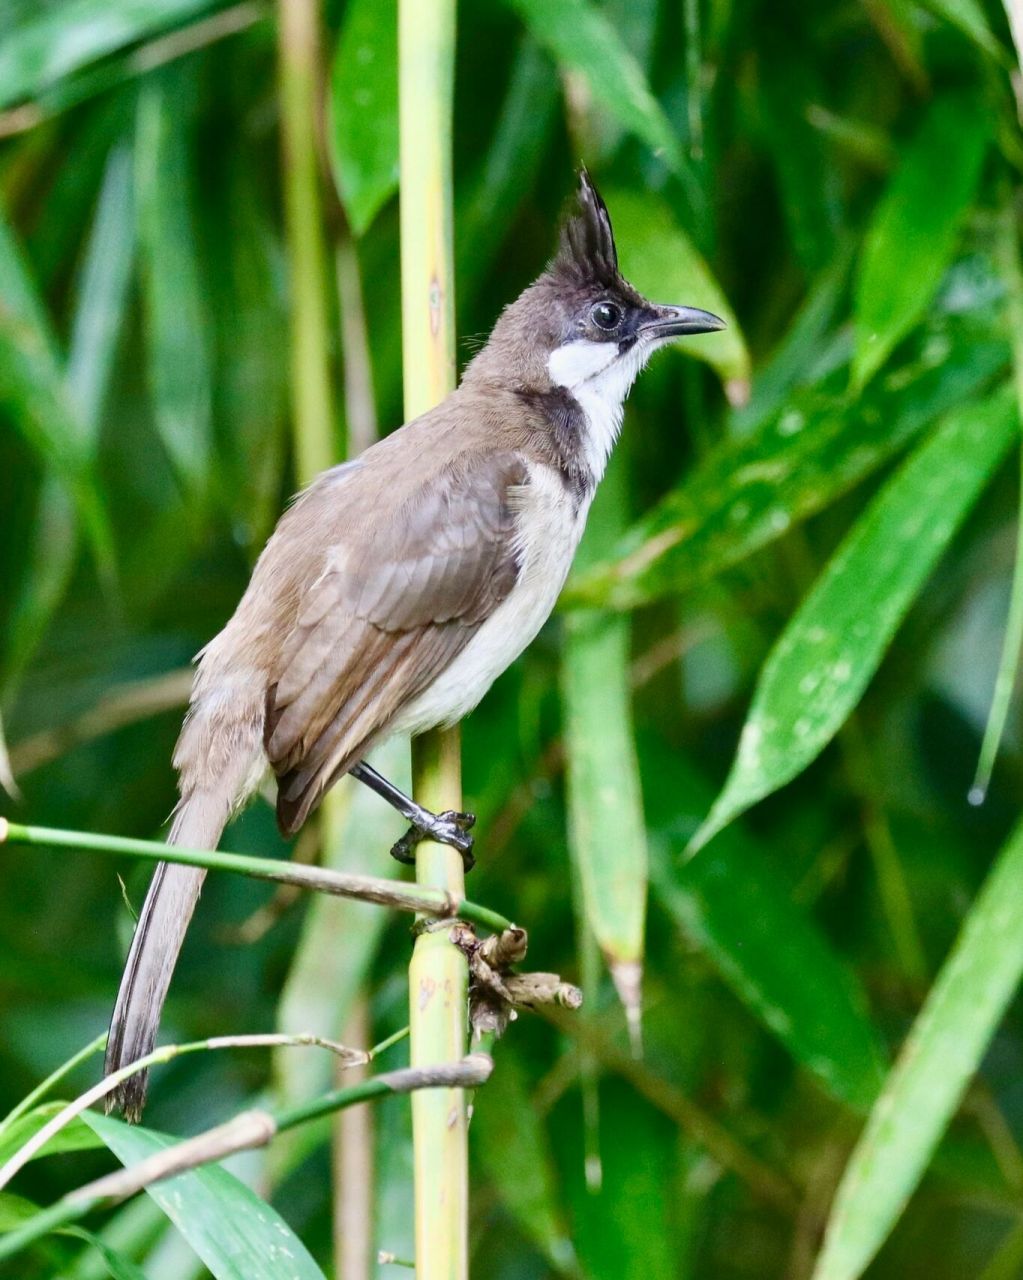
point(674, 322)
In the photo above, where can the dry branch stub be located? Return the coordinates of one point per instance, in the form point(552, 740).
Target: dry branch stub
point(495, 993)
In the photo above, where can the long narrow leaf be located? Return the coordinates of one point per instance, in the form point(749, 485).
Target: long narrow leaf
point(59, 39)
point(582, 40)
point(236, 1234)
point(829, 651)
point(735, 908)
point(661, 261)
point(102, 291)
point(179, 357)
point(364, 110)
point(33, 391)
point(97, 321)
point(944, 1049)
point(749, 492)
point(913, 233)
point(607, 834)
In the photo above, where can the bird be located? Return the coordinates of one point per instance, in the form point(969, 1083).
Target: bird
point(399, 585)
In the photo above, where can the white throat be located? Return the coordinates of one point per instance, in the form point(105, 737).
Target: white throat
point(599, 379)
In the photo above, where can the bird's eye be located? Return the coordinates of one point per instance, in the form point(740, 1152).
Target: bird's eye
point(605, 315)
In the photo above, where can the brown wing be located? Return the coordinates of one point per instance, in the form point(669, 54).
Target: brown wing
point(390, 610)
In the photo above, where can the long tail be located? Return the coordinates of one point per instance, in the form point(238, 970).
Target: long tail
point(173, 893)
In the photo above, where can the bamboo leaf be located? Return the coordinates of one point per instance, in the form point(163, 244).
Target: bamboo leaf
point(1012, 11)
point(179, 361)
point(100, 303)
point(54, 41)
point(1012, 640)
point(750, 491)
point(970, 19)
point(118, 1266)
point(15, 1210)
point(582, 40)
point(236, 1234)
point(914, 230)
point(823, 661)
point(364, 111)
point(607, 835)
point(76, 1136)
point(735, 907)
point(924, 1088)
point(33, 391)
point(102, 293)
point(661, 261)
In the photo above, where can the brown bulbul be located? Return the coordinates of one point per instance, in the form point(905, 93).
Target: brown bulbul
point(400, 585)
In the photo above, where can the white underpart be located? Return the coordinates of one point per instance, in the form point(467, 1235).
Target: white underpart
point(599, 379)
point(547, 533)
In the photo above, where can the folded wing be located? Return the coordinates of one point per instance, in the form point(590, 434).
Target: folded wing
point(390, 610)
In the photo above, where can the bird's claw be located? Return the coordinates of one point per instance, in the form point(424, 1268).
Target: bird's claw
point(450, 827)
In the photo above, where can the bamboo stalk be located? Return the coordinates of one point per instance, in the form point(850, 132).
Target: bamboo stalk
point(438, 980)
point(311, 396)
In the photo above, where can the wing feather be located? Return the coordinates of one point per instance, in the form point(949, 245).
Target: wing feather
point(385, 617)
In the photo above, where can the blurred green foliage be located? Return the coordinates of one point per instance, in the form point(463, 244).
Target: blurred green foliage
point(810, 530)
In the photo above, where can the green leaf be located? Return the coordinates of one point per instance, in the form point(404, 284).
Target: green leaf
point(235, 1233)
point(515, 152)
point(582, 40)
point(969, 17)
point(118, 1266)
point(15, 1210)
point(55, 41)
point(748, 492)
point(513, 1146)
point(661, 261)
point(75, 1136)
point(915, 228)
point(100, 303)
point(825, 658)
point(607, 834)
point(1016, 27)
point(363, 133)
point(732, 904)
point(102, 292)
point(924, 1088)
point(33, 392)
point(179, 359)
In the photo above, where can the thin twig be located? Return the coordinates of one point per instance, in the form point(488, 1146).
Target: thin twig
point(105, 1086)
point(387, 893)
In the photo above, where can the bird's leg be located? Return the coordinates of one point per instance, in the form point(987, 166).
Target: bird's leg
point(445, 828)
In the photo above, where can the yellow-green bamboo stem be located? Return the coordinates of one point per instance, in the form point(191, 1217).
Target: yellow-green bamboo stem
point(311, 399)
point(438, 978)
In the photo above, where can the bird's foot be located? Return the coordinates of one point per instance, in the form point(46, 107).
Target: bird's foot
point(445, 828)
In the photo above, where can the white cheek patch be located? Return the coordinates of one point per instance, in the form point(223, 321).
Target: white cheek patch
point(578, 361)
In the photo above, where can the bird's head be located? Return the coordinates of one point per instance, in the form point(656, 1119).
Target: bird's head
point(581, 326)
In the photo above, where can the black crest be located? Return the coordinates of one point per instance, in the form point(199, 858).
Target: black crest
point(587, 251)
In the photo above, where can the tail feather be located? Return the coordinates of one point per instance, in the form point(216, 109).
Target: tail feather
point(170, 901)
